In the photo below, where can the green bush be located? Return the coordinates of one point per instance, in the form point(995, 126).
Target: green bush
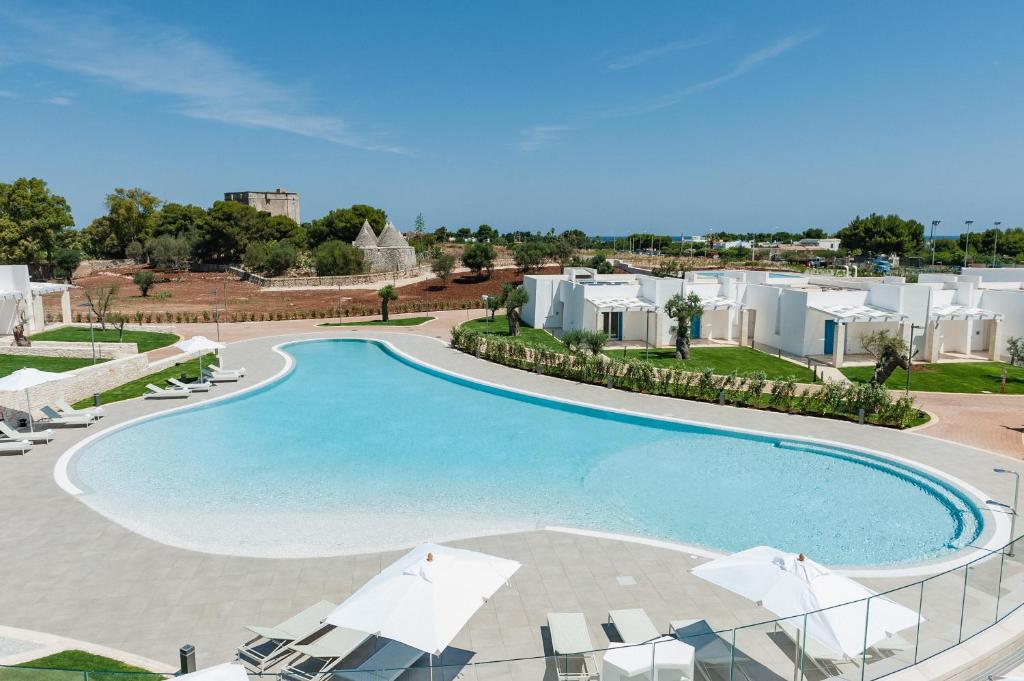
point(145, 280)
point(337, 258)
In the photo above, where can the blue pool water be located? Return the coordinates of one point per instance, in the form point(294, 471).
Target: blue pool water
point(358, 450)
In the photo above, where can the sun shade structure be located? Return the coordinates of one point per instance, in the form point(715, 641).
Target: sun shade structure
point(200, 345)
point(953, 311)
point(24, 379)
point(859, 313)
point(790, 585)
point(623, 304)
point(228, 671)
point(425, 597)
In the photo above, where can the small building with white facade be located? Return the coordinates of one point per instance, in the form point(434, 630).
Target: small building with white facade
point(21, 300)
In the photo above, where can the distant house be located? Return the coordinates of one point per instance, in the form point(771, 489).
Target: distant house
point(820, 244)
point(278, 202)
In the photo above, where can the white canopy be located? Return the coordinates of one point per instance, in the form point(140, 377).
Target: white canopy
point(425, 597)
point(228, 671)
point(859, 313)
point(199, 344)
point(790, 585)
point(954, 311)
point(23, 379)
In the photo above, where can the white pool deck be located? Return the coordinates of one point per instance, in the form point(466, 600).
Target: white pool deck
point(71, 572)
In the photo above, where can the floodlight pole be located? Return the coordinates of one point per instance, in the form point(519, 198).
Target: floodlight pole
point(967, 242)
point(1013, 511)
point(935, 223)
point(995, 243)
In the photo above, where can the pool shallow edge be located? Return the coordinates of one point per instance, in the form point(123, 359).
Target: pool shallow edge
point(994, 530)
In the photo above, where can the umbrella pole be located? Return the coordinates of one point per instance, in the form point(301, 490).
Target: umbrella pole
point(31, 424)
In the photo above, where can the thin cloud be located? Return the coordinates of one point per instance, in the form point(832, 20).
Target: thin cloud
point(743, 66)
point(203, 82)
point(538, 136)
point(7, 94)
point(635, 59)
point(60, 101)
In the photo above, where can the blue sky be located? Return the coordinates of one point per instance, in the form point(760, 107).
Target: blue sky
point(611, 117)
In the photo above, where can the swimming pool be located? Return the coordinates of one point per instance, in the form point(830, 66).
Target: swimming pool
point(358, 449)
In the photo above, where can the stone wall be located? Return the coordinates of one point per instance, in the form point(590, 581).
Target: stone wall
point(70, 349)
point(326, 282)
point(387, 260)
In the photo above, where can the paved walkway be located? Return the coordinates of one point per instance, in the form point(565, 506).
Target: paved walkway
point(992, 422)
point(69, 571)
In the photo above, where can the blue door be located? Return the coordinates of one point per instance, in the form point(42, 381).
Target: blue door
point(695, 327)
point(830, 336)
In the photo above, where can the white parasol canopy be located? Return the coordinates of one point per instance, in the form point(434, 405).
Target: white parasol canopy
point(425, 597)
point(790, 585)
point(199, 344)
point(228, 671)
point(23, 379)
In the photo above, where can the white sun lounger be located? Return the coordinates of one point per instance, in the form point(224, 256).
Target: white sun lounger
point(10, 434)
point(195, 386)
point(161, 393)
point(633, 625)
point(571, 644)
point(218, 377)
point(56, 418)
point(15, 447)
point(320, 657)
point(387, 664)
point(271, 643)
point(221, 370)
point(68, 410)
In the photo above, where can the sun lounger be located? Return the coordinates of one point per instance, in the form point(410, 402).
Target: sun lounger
point(271, 643)
point(195, 386)
point(9, 434)
point(66, 409)
point(387, 664)
point(633, 625)
point(15, 447)
point(157, 392)
point(217, 377)
point(571, 644)
point(56, 418)
point(320, 657)
point(221, 370)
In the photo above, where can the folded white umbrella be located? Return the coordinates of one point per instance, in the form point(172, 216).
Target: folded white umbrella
point(199, 344)
point(425, 597)
point(23, 379)
point(228, 671)
point(790, 585)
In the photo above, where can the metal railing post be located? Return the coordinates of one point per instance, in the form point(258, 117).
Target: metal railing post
point(803, 648)
point(864, 652)
point(963, 607)
point(999, 584)
point(920, 609)
point(732, 654)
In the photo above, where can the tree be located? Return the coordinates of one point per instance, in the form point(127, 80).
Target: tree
point(168, 252)
point(337, 258)
point(815, 233)
point(118, 320)
point(225, 234)
point(281, 257)
point(343, 224)
point(889, 351)
point(40, 220)
point(564, 251)
point(882, 234)
point(386, 295)
point(419, 225)
point(529, 256)
point(479, 257)
point(145, 280)
point(1015, 349)
point(683, 310)
point(135, 251)
point(131, 214)
point(66, 261)
point(175, 219)
point(442, 265)
point(486, 233)
point(494, 304)
point(100, 300)
point(514, 297)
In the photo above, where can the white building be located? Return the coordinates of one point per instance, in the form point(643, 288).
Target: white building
point(820, 244)
point(22, 299)
point(827, 318)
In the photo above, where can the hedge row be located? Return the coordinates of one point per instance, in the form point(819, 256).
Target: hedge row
point(831, 399)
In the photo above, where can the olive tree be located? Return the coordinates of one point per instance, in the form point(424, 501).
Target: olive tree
point(514, 297)
point(889, 350)
point(683, 310)
point(386, 295)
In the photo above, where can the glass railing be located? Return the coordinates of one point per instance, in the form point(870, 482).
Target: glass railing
point(950, 607)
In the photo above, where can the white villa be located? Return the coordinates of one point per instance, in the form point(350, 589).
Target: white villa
point(21, 298)
point(821, 317)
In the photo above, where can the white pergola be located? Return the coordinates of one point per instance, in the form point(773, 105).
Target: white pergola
point(961, 312)
point(859, 313)
point(721, 303)
point(623, 305)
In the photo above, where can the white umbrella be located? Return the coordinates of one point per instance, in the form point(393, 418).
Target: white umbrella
point(228, 671)
point(200, 344)
point(425, 597)
point(790, 585)
point(23, 379)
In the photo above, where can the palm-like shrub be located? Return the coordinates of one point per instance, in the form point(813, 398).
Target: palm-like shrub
point(386, 295)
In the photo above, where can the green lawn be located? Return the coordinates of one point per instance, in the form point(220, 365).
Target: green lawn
point(952, 377)
point(499, 327)
point(722, 361)
point(146, 340)
point(11, 363)
point(404, 321)
point(43, 669)
point(137, 387)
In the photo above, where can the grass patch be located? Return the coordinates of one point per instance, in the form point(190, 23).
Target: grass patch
point(952, 377)
point(11, 363)
point(499, 327)
point(146, 340)
point(404, 321)
point(137, 388)
point(76, 661)
point(721, 361)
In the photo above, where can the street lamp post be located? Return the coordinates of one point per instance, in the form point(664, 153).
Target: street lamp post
point(1013, 511)
point(935, 223)
point(967, 242)
point(995, 243)
point(92, 333)
point(216, 313)
point(910, 356)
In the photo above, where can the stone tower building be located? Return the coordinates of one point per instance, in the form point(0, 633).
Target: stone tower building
point(387, 252)
point(278, 202)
